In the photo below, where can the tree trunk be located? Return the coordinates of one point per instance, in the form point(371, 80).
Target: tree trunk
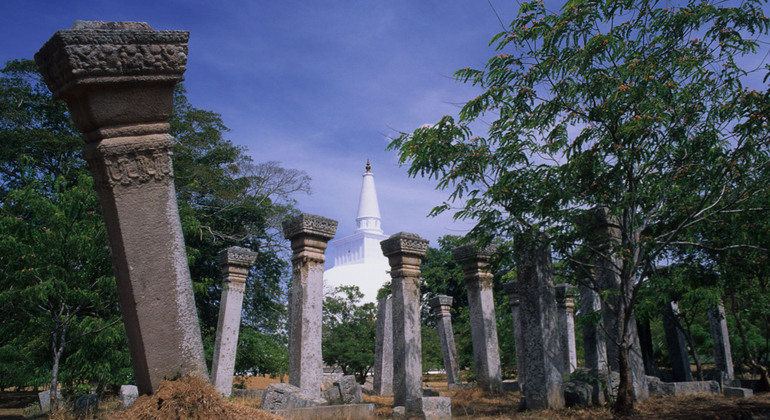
point(54, 400)
point(624, 405)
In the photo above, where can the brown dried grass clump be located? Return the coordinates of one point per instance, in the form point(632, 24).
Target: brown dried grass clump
point(189, 398)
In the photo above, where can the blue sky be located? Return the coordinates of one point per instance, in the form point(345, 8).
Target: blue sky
point(316, 85)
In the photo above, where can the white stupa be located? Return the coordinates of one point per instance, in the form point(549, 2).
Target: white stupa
point(357, 259)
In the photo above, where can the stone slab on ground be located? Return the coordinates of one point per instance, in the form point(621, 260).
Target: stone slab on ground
point(44, 397)
point(684, 388)
point(331, 412)
point(731, 391)
point(333, 395)
point(350, 390)
point(510, 385)
point(256, 394)
point(437, 408)
point(87, 405)
point(128, 395)
point(286, 396)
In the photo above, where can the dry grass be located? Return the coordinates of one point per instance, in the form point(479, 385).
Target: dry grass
point(189, 398)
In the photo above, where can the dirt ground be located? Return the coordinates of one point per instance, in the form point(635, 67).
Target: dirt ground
point(473, 404)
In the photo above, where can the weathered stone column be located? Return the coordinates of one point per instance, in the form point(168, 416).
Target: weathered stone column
point(118, 79)
point(383, 349)
point(645, 342)
point(607, 236)
point(594, 342)
point(565, 309)
point(405, 252)
point(235, 262)
point(723, 356)
point(512, 289)
point(675, 342)
point(539, 323)
point(309, 235)
point(441, 305)
point(481, 304)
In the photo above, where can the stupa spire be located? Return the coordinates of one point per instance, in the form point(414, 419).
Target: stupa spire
point(368, 218)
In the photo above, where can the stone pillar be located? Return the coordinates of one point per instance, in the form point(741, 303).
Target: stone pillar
point(383, 349)
point(309, 235)
point(539, 323)
point(565, 309)
point(645, 342)
point(405, 252)
point(606, 270)
point(675, 342)
point(512, 289)
point(441, 305)
point(723, 357)
point(118, 79)
point(594, 342)
point(481, 304)
point(235, 262)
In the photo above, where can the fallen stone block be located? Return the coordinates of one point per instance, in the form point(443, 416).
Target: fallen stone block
point(437, 408)
point(730, 391)
point(285, 396)
point(87, 405)
point(128, 395)
point(684, 388)
point(577, 394)
point(330, 412)
point(399, 412)
point(44, 397)
point(511, 385)
point(332, 395)
point(256, 394)
point(350, 390)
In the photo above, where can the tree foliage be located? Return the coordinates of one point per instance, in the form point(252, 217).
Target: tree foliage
point(349, 330)
point(629, 106)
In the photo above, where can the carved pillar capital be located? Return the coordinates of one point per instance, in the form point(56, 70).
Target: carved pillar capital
point(309, 235)
point(405, 252)
point(441, 304)
point(474, 261)
point(236, 262)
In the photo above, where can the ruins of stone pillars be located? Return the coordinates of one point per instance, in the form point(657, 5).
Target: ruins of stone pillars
point(383, 349)
point(541, 354)
point(512, 289)
point(118, 79)
point(606, 270)
point(723, 357)
point(309, 235)
point(675, 342)
point(235, 262)
point(645, 342)
point(565, 309)
point(405, 252)
point(441, 305)
point(594, 342)
point(481, 305)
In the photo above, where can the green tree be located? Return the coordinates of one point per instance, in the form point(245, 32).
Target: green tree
point(349, 331)
point(56, 279)
point(625, 105)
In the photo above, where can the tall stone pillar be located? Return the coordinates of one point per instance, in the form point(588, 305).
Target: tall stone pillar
point(565, 309)
point(118, 79)
point(607, 272)
point(677, 348)
point(235, 262)
point(645, 341)
point(441, 305)
point(723, 357)
point(539, 323)
point(405, 252)
point(383, 349)
point(309, 235)
point(481, 304)
point(512, 289)
point(594, 342)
